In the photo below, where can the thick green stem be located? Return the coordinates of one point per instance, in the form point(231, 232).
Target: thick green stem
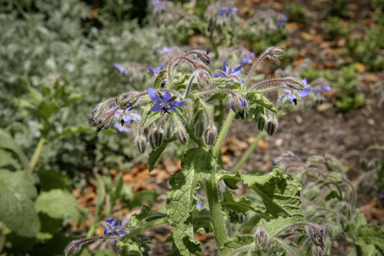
point(216, 214)
point(223, 132)
point(249, 152)
point(36, 154)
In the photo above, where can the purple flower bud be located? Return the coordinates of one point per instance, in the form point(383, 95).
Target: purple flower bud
point(73, 248)
point(203, 79)
point(140, 143)
point(262, 240)
point(156, 138)
point(261, 122)
point(316, 237)
point(182, 135)
point(210, 135)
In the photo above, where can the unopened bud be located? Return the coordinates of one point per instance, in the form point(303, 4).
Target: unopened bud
point(262, 240)
point(182, 135)
point(310, 212)
point(141, 143)
point(335, 177)
point(156, 138)
point(126, 100)
point(316, 235)
point(236, 217)
point(210, 135)
point(73, 248)
point(334, 232)
point(332, 162)
point(271, 126)
point(261, 122)
point(203, 79)
point(312, 191)
point(315, 160)
point(294, 83)
point(276, 53)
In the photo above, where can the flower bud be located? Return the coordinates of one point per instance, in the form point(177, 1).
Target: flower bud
point(182, 135)
point(315, 160)
point(262, 240)
point(210, 135)
point(156, 138)
point(312, 191)
point(316, 235)
point(126, 100)
point(271, 126)
point(332, 163)
point(334, 231)
point(141, 143)
point(294, 83)
point(310, 212)
point(235, 217)
point(335, 177)
point(73, 248)
point(276, 53)
point(261, 122)
point(203, 79)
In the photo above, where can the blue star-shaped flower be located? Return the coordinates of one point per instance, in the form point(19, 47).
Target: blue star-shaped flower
point(291, 93)
point(225, 72)
point(322, 88)
point(153, 72)
point(228, 10)
point(115, 229)
point(164, 102)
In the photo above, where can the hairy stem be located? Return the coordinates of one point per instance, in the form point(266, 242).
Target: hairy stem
point(215, 209)
point(284, 245)
point(249, 152)
point(36, 155)
point(223, 132)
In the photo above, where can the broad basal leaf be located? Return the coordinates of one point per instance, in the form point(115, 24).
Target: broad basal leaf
point(17, 211)
point(57, 203)
point(280, 193)
point(197, 164)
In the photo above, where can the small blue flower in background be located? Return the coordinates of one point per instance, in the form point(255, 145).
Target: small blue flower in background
point(114, 229)
point(225, 72)
point(164, 102)
point(199, 206)
point(292, 97)
point(121, 69)
point(322, 89)
point(248, 60)
point(228, 10)
point(153, 72)
point(282, 22)
point(165, 49)
point(159, 5)
point(121, 128)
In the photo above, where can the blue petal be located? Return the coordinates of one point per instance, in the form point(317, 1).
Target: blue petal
point(178, 103)
point(305, 81)
point(251, 55)
point(151, 70)
point(173, 109)
point(225, 68)
point(156, 107)
point(282, 97)
point(242, 81)
point(137, 116)
point(237, 70)
point(153, 95)
point(304, 92)
point(291, 98)
point(199, 206)
point(111, 221)
point(218, 75)
point(127, 119)
point(166, 97)
point(160, 68)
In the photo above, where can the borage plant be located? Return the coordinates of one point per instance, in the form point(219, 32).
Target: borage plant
point(179, 107)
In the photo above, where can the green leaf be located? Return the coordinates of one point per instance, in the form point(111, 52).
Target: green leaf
point(151, 117)
point(53, 179)
point(199, 223)
point(8, 143)
point(73, 98)
point(136, 246)
point(218, 96)
point(280, 193)
point(155, 154)
point(100, 194)
point(54, 247)
point(241, 205)
point(272, 226)
point(71, 130)
point(230, 179)
point(221, 80)
point(235, 243)
point(142, 197)
point(144, 216)
point(160, 78)
point(198, 164)
point(371, 234)
point(260, 99)
point(57, 203)
point(17, 211)
point(332, 194)
point(47, 109)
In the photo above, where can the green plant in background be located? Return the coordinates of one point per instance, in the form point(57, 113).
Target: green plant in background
point(334, 28)
point(337, 8)
point(378, 6)
point(296, 13)
point(344, 81)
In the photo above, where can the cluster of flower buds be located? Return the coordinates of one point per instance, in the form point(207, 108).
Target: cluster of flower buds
point(262, 240)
